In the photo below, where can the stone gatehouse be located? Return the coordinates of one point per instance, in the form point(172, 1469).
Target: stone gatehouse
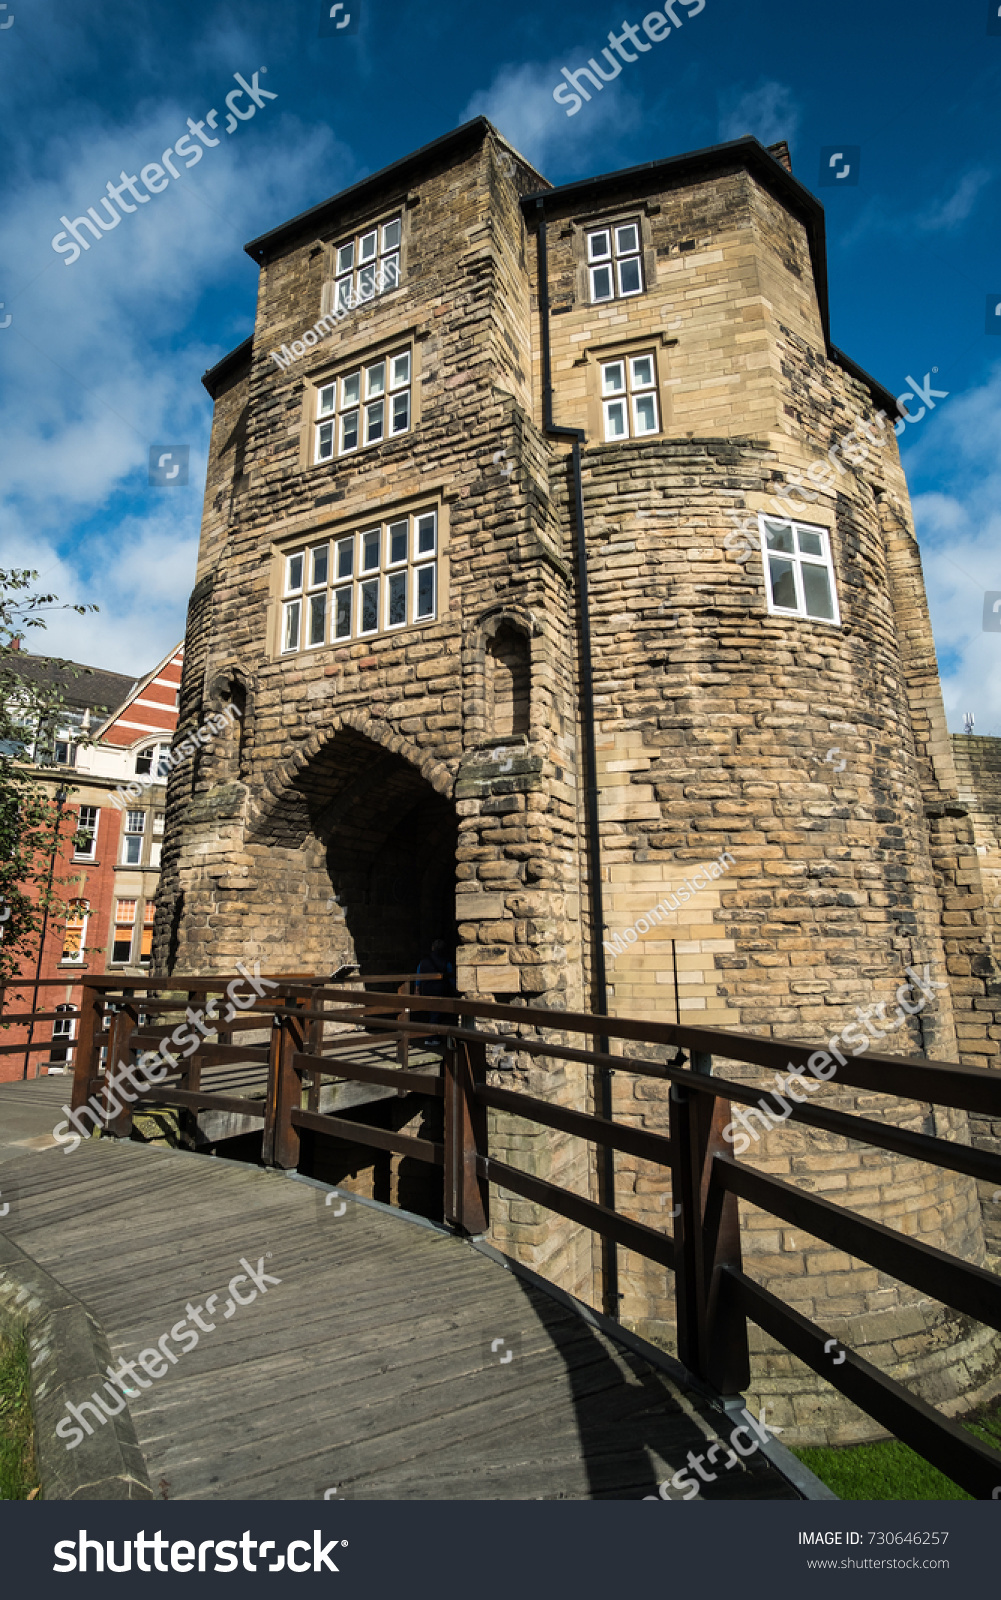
point(389, 587)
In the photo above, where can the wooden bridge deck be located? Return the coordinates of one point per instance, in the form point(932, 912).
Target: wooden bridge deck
point(368, 1369)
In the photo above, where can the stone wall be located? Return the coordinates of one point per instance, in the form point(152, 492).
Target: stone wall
point(377, 787)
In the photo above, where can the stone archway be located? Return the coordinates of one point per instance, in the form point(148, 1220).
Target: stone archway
point(355, 860)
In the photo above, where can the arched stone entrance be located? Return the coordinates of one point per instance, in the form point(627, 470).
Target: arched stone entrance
point(354, 862)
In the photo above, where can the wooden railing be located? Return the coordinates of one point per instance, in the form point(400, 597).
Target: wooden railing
point(715, 1298)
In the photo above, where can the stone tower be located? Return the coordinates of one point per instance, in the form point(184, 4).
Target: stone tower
point(390, 589)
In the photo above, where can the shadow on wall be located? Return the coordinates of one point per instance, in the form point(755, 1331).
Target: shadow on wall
point(356, 862)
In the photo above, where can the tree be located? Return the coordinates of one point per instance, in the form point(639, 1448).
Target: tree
point(33, 823)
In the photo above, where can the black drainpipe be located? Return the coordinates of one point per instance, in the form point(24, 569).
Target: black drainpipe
point(610, 1265)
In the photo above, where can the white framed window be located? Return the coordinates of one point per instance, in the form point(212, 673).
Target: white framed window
point(363, 407)
point(799, 570)
point(376, 580)
point(132, 842)
point(367, 265)
point(75, 934)
point(85, 848)
point(614, 262)
point(154, 755)
point(63, 1032)
point(629, 397)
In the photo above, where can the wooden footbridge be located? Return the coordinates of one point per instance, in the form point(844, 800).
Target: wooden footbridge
point(375, 1354)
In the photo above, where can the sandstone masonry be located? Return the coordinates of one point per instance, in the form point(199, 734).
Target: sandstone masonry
point(418, 769)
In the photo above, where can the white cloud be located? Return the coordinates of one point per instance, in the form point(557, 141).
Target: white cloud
point(101, 365)
point(769, 112)
point(519, 102)
point(959, 527)
point(954, 210)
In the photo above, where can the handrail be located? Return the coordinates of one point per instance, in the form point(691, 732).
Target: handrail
point(715, 1297)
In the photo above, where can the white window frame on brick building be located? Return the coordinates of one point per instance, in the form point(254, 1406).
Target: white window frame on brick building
point(800, 553)
point(132, 838)
point(615, 261)
point(366, 405)
point(630, 406)
point(377, 579)
point(89, 819)
point(367, 264)
point(63, 1034)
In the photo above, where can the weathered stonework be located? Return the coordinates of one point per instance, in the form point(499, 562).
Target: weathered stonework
point(386, 789)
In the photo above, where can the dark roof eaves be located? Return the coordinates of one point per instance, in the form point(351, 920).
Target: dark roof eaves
point(751, 151)
point(258, 248)
point(748, 150)
point(214, 377)
point(878, 391)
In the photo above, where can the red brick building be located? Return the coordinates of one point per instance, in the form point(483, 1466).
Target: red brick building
point(115, 782)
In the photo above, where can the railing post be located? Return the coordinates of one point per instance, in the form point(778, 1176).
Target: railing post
point(192, 1063)
point(271, 1093)
point(403, 1047)
point(314, 1044)
point(119, 1049)
point(689, 1284)
point(727, 1355)
point(290, 1041)
point(712, 1335)
point(467, 1195)
point(87, 1046)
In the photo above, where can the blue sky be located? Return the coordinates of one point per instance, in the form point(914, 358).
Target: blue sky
point(102, 358)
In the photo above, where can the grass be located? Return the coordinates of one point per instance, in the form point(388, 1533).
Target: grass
point(18, 1477)
point(890, 1470)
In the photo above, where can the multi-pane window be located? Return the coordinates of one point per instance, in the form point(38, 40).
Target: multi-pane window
point(629, 397)
point(125, 922)
point(799, 570)
point(146, 758)
point(613, 262)
point(63, 1031)
point(373, 581)
point(367, 265)
point(85, 848)
point(76, 930)
point(363, 407)
point(132, 847)
point(146, 939)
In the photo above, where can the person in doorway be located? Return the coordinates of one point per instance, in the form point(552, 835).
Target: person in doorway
point(442, 983)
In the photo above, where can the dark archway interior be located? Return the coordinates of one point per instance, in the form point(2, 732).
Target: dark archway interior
point(389, 841)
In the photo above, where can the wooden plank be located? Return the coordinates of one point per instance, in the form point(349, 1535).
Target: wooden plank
point(409, 1079)
point(166, 1094)
point(403, 1144)
point(467, 1194)
point(633, 1235)
point(946, 1444)
point(599, 1130)
point(955, 1283)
